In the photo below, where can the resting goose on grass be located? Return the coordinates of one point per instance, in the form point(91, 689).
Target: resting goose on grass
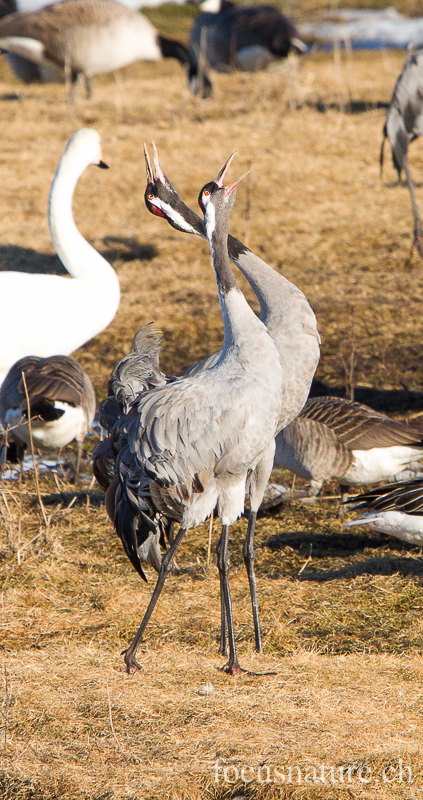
point(337, 439)
point(395, 509)
point(61, 403)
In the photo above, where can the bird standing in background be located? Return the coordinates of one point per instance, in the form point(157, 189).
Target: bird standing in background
point(91, 37)
point(246, 38)
point(404, 123)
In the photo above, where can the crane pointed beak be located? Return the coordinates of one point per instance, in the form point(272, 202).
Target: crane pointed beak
point(232, 186)
point(159, 172)
point(148, 169)
point(220, 177)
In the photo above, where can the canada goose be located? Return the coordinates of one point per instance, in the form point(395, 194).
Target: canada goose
point(396, 509)
point(61, 403)
point(246, 38)
point(57, 314)
point(337, 439)
point(91, 37)
point(404, 123)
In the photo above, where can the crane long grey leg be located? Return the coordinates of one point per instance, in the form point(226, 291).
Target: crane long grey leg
point(223, 646)
point(232, 666)
point(418, 231)
point(165, 567)
point(249, 558)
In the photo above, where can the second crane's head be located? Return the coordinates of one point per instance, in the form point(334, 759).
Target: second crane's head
point(163, 200)
point(216, 200)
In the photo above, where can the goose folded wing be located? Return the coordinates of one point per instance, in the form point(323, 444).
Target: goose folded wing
point(358, 427)
point(406, 497)
point(55, 378)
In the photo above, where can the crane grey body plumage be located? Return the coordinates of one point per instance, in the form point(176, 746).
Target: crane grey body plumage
point(246, 38)
point(404, 123)
point(90, 37)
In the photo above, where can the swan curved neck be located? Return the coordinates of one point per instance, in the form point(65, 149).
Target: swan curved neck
point(80, 259)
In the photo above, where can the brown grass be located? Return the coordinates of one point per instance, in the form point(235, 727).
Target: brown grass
point(343, 634)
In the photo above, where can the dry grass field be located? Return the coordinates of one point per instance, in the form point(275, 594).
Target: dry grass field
point(341, 611)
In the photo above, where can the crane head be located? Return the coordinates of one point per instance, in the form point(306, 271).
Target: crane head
point(163, 200)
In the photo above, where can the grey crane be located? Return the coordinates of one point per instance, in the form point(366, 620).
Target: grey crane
point(55, 394)
point(404, 123)
point(246, 38)
point(198, 438)
point(395, 509)
point(287, 315)
point(90, 37)
point(337, 439)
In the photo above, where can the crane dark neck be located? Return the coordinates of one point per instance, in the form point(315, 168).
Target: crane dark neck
point(219, 247)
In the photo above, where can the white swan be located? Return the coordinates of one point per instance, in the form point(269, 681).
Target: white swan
point(47, 314)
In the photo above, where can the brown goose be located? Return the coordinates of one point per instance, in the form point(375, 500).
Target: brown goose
point(338, 439)
point(61, 403)
point(91, 37)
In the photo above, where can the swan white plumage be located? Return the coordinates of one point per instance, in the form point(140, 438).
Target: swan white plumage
point(55, 314)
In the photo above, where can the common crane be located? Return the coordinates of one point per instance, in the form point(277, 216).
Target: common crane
point(404, 123)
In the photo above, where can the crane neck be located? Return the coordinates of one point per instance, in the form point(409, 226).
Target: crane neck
point(239, 320)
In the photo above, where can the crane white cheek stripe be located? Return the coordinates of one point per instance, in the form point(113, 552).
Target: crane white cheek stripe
point(175, 216)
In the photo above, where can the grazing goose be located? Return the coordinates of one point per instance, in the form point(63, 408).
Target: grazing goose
point(196, 439)
point(246, 38)
point(404, 123)
point(61, 403)
point(338, 439)
point(57, 314)
point(287, 315)
point(396, 509)
point(91, 37)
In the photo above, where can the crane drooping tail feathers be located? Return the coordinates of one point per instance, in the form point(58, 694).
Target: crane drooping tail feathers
point(130, 506)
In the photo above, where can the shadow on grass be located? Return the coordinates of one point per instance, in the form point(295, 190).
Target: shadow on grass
point(78, 498)
point(383, 400)
point(344, 546)
point(375, 565)
point(351, 107)
point(25, 259)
